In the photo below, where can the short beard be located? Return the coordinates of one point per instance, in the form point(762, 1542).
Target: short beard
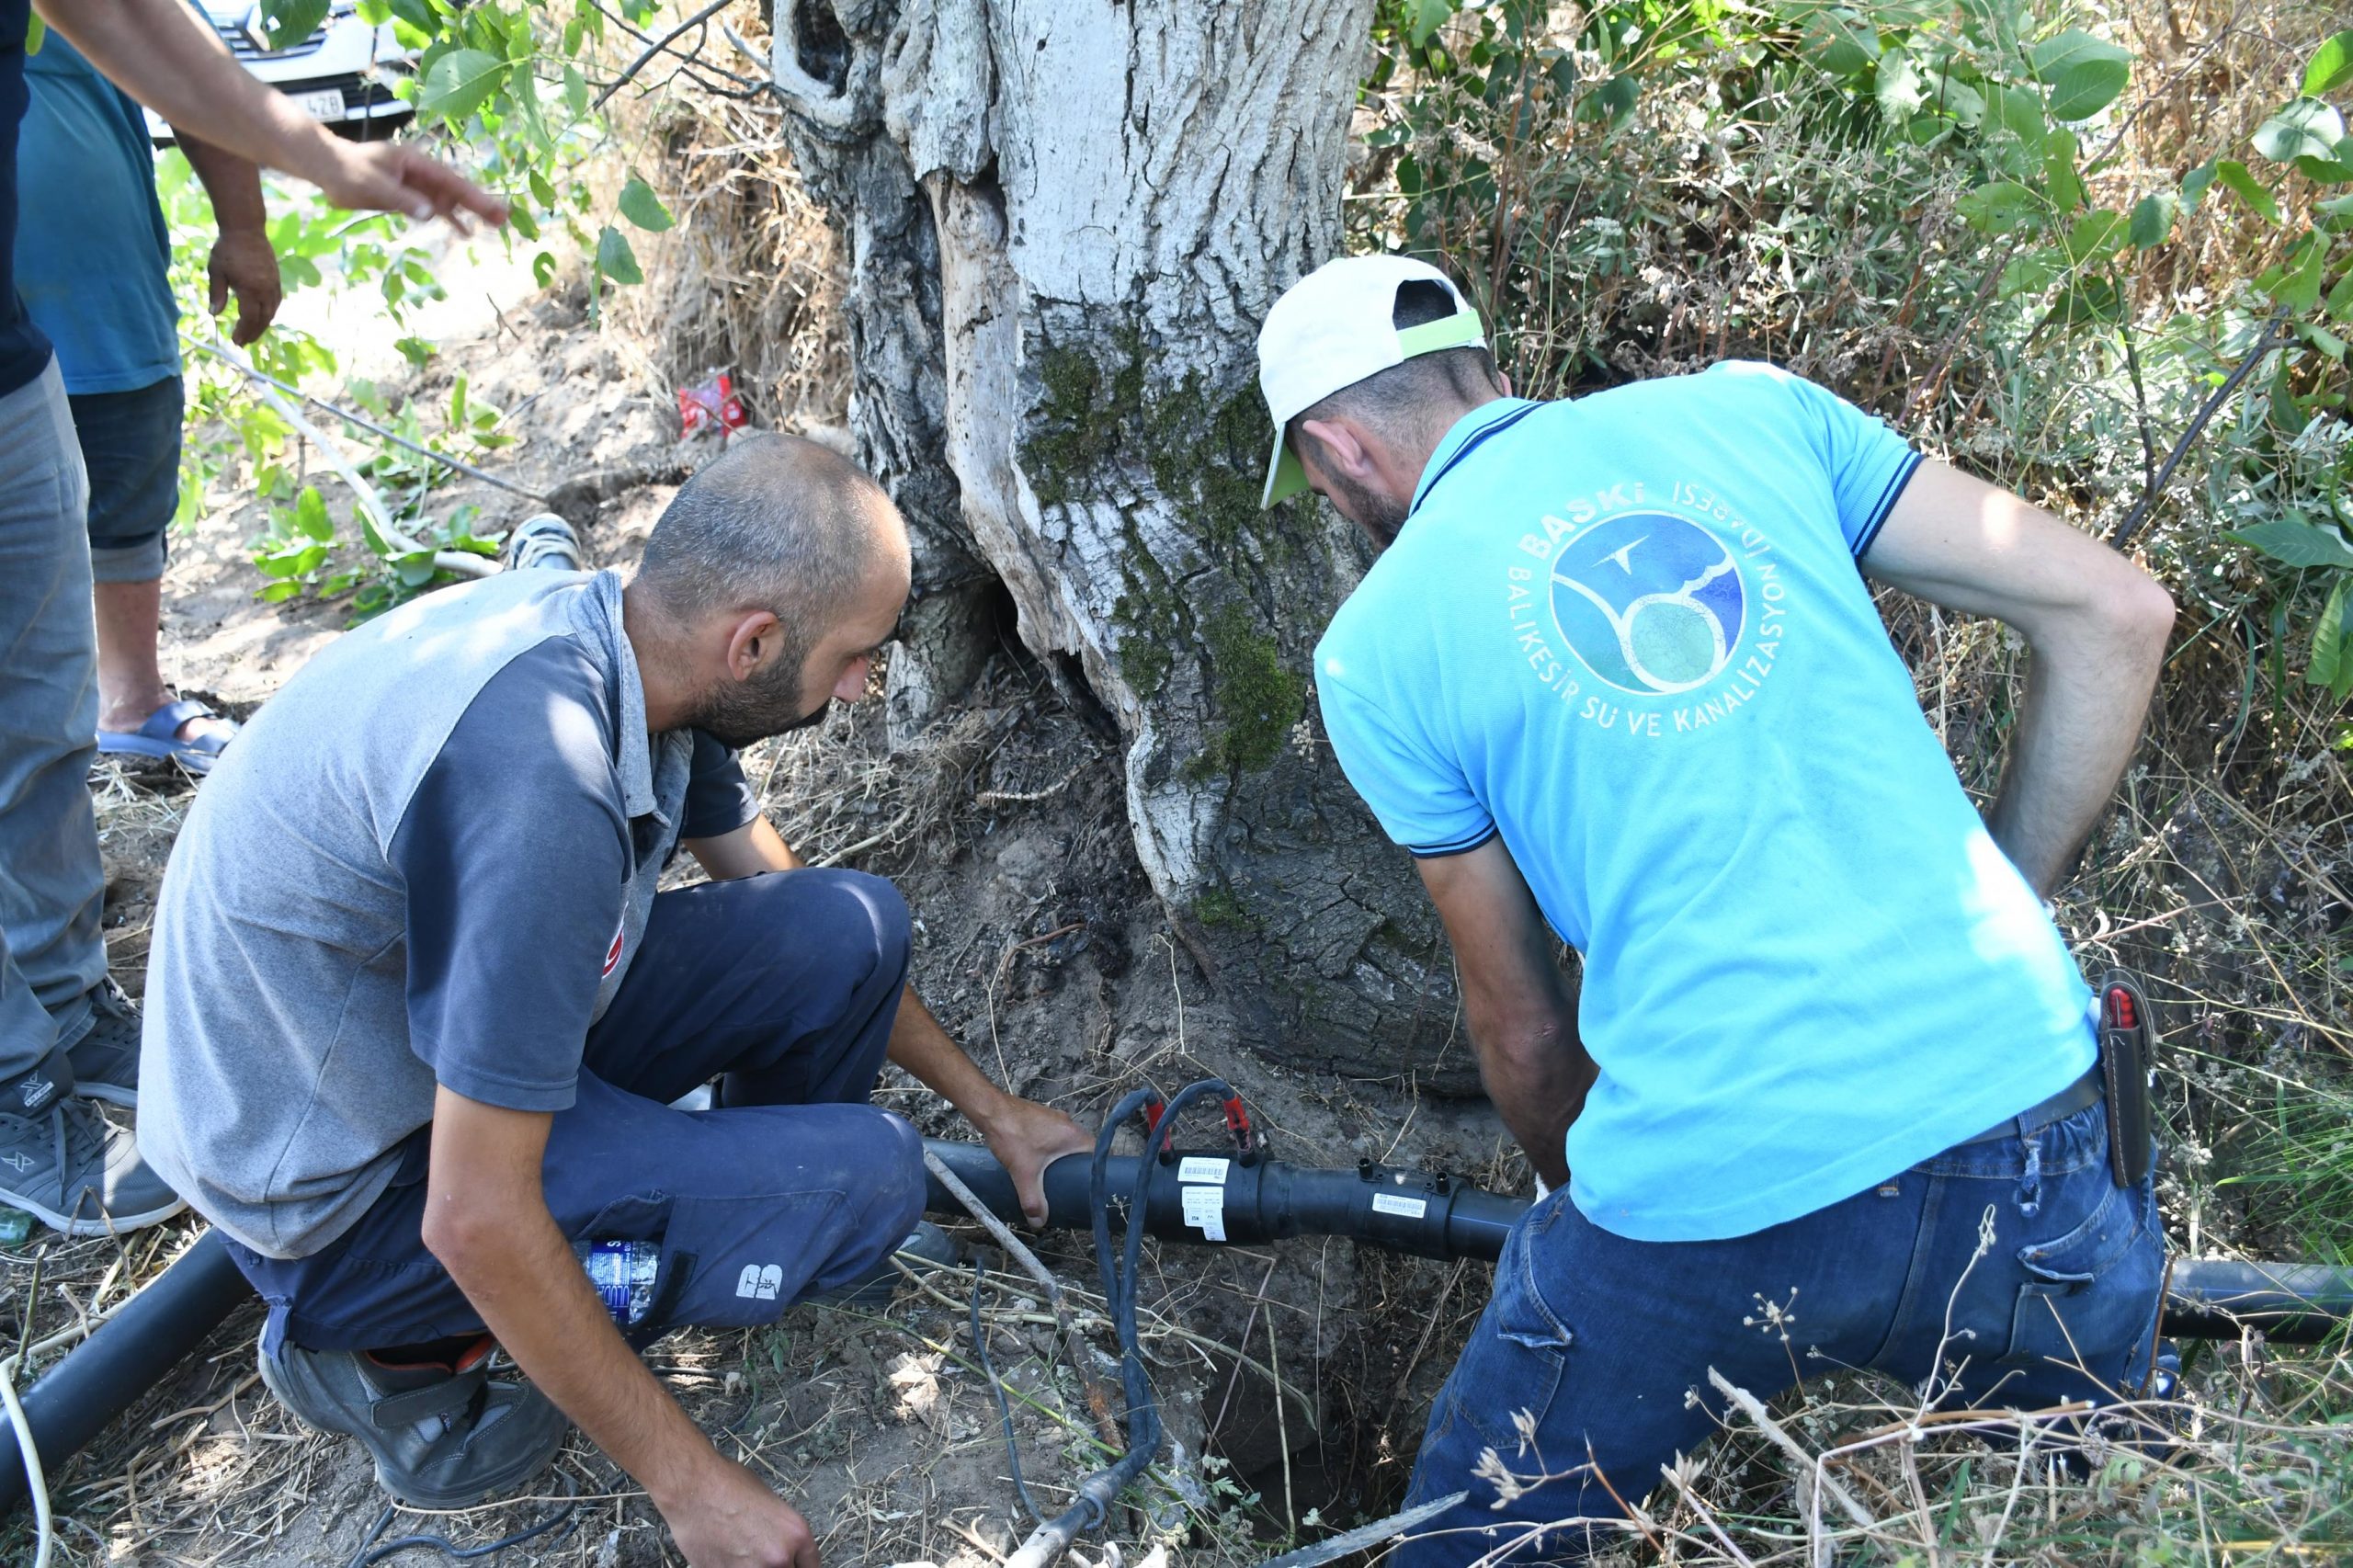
point(1376, 514)
point(739, 713)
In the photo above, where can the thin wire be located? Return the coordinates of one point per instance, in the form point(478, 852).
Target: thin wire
point(365, 1556)
point(997, 1387)
point(230, 356)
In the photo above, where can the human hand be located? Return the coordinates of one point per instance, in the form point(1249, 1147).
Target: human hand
point(243, 263)
point(726, 1517)
point(1026, 1137)
point(392, 177)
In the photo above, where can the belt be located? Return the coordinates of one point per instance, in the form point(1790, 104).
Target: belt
point(2084, 1091)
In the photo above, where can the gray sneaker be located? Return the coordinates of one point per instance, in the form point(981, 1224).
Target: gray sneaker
point(61, 1161)
point(545, 540)
point(442, 1436)
point(105, 1059)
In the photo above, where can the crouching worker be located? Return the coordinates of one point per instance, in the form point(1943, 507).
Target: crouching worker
point(1827, 1096)
point(416, 1011)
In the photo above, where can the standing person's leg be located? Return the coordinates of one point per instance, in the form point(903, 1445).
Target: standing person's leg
point(1588, 1370)
point(130, 444)
point(62, 1161)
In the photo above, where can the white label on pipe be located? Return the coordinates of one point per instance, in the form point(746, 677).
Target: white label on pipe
point(1205, 1211)
point(1199, 1167)
point(1390, 1203)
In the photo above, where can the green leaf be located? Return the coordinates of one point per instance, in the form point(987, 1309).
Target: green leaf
point(2063, 186)
point(2299, 288)
point(2002, 208)
point(2293, 541)
point(2332, 64)
point(415, 570)
point(1899, 87)
point(615, 259)
point(2193, 186)
point(277, 592)
point(290, 22)
point(643, 208)
point(1957, 99)
point(2054, 57)
point(2332, 660)
point(1840, 44)
point(2233, 172)
point(2031, 272)
point(541, 191)
point(36, 34)
point(1423, 18)
point(518, 214)
point(2340, 298)
point(310, 516)
point(2307, 127)
point(460, 83)
point(2021, 113)
point(2153, 220)
point(2095, 237)
point(417, 15)
point(544, 270)
point(2089, 87)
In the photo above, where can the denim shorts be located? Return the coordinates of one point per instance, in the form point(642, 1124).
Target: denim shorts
point(130, 444)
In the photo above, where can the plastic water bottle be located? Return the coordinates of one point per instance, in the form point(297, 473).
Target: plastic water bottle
point(623, 1274)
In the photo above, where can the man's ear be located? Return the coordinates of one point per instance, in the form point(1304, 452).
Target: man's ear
point(752, 638)
point(1340, 447)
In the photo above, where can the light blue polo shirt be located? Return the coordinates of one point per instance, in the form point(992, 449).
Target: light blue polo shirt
point(1627, 635)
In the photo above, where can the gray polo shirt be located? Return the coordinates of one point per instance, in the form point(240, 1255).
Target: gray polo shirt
point(428, 860)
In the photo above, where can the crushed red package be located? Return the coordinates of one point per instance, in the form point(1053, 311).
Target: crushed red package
point(711, 403)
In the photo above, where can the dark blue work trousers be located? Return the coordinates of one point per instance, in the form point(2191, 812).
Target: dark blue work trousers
point(2010, 1274)
point(783, 987)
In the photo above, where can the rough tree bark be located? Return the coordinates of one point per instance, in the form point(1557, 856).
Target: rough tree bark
point(1065, 219)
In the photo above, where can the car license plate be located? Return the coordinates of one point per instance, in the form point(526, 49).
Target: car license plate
point(321, 106)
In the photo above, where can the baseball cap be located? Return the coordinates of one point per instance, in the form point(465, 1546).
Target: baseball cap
point(1335, 327)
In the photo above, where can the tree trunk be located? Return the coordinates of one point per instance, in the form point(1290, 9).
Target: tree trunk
point(1066, 219)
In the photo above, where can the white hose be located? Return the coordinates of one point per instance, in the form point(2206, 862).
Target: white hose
point(463, 562)
point(36, 1479)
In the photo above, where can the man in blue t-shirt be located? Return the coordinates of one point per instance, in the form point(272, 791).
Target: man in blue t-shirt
point(1826, 1089)
point(93, 266)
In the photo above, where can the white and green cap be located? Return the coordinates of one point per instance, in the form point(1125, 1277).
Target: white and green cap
point(1335, 327)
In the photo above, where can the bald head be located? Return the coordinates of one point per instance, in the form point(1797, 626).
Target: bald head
point(777, 523)
point(763, 560)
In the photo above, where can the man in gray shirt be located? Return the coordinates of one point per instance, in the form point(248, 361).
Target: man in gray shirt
point(416, 1012)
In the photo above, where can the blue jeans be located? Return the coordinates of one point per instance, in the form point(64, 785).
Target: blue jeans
point(785, 987)
point(50, 880)
point(1591, 1361)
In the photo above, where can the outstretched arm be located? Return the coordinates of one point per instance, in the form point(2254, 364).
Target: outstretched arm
point(1523, 1024)
point(2095, 623)
point(161, 54)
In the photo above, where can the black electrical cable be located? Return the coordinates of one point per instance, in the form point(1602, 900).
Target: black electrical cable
point(1120, 1276)
point(997, 1387)
point(371, 1553)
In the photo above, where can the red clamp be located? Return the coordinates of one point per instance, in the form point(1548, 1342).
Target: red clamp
point(1237, 1121)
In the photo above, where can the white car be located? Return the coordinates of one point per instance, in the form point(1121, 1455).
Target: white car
point(341, 74)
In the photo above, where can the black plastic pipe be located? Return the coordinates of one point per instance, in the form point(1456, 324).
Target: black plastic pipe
point(1433, 1216)
point(1257, 1201)
point(124, 1357)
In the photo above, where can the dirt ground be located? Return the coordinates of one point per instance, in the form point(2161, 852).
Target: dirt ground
point(1039, 945)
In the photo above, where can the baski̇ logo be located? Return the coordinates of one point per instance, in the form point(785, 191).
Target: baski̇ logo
point(33, 1090)
point(1652, 603)
point(759, 1284)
